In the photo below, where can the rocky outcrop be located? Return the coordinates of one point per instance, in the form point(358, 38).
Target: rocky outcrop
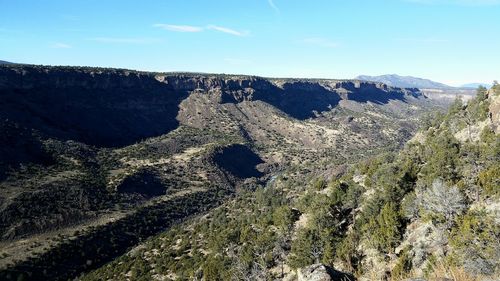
point(473, 131)
point(315, 272)
point(424, 239)
point(320, 272)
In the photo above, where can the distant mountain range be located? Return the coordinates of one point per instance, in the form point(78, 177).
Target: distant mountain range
point(476, 85)
point(395, 80)
point(5, 62)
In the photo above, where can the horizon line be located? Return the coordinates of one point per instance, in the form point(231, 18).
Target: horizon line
point(10, 63)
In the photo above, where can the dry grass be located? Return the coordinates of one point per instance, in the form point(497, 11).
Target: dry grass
point(444, 272)
point(454, 273)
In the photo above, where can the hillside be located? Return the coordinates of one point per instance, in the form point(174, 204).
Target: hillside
point(93, 161)
point(429, 210)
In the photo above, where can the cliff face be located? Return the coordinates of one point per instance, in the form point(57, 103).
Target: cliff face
point(111, 107)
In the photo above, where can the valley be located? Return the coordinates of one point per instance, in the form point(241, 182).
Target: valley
point(115, 174)
point(265, 140)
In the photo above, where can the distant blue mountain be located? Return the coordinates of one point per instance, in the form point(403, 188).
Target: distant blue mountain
point(395, 80)
point(476, 85)
point(5, 62)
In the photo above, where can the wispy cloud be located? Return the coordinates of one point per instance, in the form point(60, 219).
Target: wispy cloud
point(122, 40)
point(321, 42)
point(275, 8)
point(60, 45)
point(191, 28)
point(179, 28)
point(226, 30)
point(457, 2)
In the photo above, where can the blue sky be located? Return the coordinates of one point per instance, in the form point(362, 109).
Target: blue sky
point(451, 41)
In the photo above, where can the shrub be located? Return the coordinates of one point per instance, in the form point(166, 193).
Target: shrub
point(475, 243)
point(403, 265)
point(489, 180)
point(441, 203)
point(384, 230)
point(346, 251)
point(306, 249)
point(442, 157)
point(284, 218)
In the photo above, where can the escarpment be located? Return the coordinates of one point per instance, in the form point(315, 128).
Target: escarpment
point(114, 107)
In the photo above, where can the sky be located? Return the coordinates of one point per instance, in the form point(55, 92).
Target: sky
point(450, 41)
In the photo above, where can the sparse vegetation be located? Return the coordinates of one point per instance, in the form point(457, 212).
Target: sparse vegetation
point(253, 187)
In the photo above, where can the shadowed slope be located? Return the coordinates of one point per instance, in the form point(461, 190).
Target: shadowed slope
point(103, 108)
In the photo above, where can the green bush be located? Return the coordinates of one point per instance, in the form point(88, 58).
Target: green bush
point(475, 242)
point(347, 252)
point(489, 180)
point(306, 249)
point(383, 231)
point(403, 265)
